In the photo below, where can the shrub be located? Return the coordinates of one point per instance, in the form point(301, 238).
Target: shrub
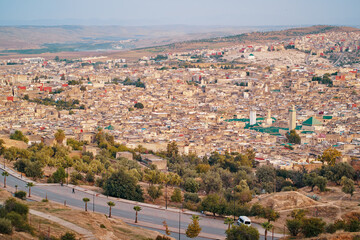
point(90, 177)
point(256, 210)
point(176, 196)
point(21, 195)
point(331, 228)
point(102, 226)
point(193, 197)
point(288, 188)
point(18, 221)
point(155, 192)
point(242, 232)
point(162, 237)
point(12, 205)
point(58, 176)
point(353, 226)
point(312, 227)
point(75, 177)
point(5, 226)
point(68, 236)
point(294, 226)
point(45, 200)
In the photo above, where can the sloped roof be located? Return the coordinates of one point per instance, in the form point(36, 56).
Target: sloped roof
point(312, 122)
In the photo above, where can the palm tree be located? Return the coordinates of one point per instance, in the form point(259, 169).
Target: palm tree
point(111, 204)
point(229, 221)
point(5, 174)
point(137, 209)
point(30, 185)
point(16, 186)
point(86, 200)
point(267, 226)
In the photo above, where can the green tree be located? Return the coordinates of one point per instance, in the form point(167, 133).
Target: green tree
point(30, 185)
point(155, 192)
point(137, 209)
point(122, 184)
point(18, 135)
point(193, 230)
point(294, 226)
point(229, 221)
point(309, 180)
point(265, 174)
point(172, 150)
point(312, 227)
point(86, 200)
point(329, 156)
point(191, 185)
point(5, 174)
point(347, 186)
point(242, 232)
point(58, 176)
point(293, 137)
point(211, 182)
point(267, 226)
point(60, 136)
point(2, 147)
point(321, 182)
point(110, 204)
point(139, 105)
point(270, 214)
point(176, 196)
point(167, 231)
point(211, 203)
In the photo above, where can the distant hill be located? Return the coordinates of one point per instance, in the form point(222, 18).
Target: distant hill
point(36, 37)
point(252, 37)
point(289, 33)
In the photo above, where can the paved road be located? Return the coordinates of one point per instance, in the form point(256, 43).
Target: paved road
point(150, 216)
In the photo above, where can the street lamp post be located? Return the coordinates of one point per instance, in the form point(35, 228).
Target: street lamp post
point(93, 202)
point(234, 203)
point(180, 220)
point(166, 196)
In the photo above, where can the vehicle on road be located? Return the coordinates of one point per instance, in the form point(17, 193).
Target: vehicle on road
point(244, 220)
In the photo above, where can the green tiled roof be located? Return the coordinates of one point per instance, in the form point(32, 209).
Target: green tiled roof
point(327, 117)
point(312, 122)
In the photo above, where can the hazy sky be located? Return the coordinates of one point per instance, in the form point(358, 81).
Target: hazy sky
point(189, 12)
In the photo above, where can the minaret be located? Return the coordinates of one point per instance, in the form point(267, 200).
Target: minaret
point(268, 120)
point(292, 118)
point(252, 117)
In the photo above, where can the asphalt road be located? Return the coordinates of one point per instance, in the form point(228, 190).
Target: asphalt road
point(151, 216)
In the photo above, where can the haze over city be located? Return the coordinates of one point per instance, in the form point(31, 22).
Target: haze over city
point(163, 12)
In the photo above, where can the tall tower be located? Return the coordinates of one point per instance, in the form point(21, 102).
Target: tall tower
point(292, 118)
point(268, 120)
point(252, 117)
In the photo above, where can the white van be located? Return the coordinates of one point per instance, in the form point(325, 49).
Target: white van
point(244, 220)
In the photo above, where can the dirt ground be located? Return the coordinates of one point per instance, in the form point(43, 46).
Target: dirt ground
point(332, 205)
